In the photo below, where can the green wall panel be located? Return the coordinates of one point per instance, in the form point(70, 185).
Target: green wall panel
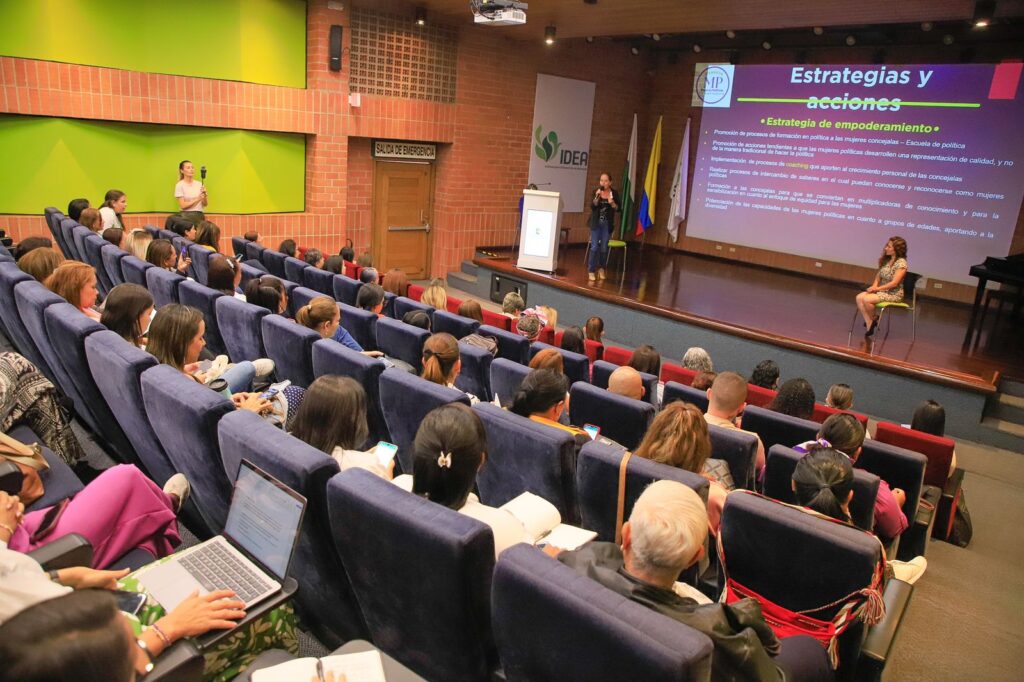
point(258, 41)
point(49, 161)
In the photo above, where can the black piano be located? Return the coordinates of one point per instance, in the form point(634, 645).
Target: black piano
point(1009, 270)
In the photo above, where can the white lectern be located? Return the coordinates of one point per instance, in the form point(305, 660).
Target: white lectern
point(538, 240)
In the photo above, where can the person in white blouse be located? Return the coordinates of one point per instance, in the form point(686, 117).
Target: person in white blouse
point(114, 204)
point(190, 195)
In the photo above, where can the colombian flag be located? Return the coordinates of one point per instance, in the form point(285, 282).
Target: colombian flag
point(645, 214)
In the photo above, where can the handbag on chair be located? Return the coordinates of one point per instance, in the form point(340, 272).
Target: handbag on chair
point(29, 459)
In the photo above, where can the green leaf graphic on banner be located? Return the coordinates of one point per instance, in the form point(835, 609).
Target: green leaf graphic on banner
point(547, 146)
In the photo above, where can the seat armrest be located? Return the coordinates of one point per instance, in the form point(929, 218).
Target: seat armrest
point(11, 477)
point(926, 508)
point(880, 637)
point(64, 552)
point(953, 483)
point(287, 591)
point(182, 662)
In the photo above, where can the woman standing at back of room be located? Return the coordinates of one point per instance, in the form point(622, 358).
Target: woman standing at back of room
point(888, 284)
point(190, 195)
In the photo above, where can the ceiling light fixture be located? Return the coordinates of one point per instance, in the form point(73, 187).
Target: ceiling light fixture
point(851, 40)
point(927, 26)
point(421, 16)
point(766, 45)
point(730, 34)
point(984, 10)
point(634, 50)
point(818, 30)
point(549, 35)
point(948, 39)
point(697, 47)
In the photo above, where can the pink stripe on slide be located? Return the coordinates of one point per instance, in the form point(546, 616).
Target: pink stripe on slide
point(1005, 81)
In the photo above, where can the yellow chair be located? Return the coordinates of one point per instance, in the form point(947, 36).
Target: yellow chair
point(612, 244)
point(911, 281)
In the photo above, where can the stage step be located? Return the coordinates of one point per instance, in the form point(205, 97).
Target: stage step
point(461, 280)
point(1011, 387)
point(1008, 408)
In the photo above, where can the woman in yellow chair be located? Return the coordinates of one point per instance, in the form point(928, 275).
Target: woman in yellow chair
point(888, 284)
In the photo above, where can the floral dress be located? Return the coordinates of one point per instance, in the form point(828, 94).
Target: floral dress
point(885, 275)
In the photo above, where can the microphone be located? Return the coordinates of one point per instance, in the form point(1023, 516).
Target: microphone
point(202, 173)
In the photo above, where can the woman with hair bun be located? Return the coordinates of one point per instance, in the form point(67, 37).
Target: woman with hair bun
point(442, 362)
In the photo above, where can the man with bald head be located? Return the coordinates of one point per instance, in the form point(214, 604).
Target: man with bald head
point(726, 399)
point(666, 533)
point(626, 381)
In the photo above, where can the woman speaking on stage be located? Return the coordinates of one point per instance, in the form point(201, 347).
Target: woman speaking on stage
point(888, 284)
point(603, 206)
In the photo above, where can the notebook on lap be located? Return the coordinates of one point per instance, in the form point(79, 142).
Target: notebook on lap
point(251, 557)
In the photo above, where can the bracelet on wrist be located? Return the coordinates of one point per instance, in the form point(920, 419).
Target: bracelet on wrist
point(7, 528)
point(161, 634)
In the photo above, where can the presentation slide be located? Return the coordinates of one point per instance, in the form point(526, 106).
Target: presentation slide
point(830, 161)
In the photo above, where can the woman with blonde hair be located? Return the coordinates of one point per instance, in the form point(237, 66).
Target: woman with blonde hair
point(75, 282)
point(435, 295)
point(137, 243)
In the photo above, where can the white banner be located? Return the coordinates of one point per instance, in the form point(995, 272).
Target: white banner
point(563, 112)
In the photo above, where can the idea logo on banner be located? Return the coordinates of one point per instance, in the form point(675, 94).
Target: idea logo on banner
point(549, 149)
point(712, 85)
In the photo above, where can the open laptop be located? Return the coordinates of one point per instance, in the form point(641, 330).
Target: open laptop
point(251, 557)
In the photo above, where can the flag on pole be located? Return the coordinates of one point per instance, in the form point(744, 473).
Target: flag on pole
point(677, 207)
point(645, 214)
point(626, 196)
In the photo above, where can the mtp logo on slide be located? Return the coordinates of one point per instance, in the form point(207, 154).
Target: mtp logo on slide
point(712, 86)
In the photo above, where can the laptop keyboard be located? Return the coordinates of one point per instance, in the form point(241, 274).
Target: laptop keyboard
point(218, 569)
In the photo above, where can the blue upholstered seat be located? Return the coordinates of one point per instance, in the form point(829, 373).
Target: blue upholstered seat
point(421, 573)
point(238, 247)
point(622, 419)
point(475, 376)
point(403, 305)
point(290, 346)
point(676, 391)
point(778, 485)
point(406, 400)
point(903, 469)
point(346, 289)
point(301, 296)
point(293, 270)
point(59, 481)
point(93, 255)
point(739, 450)
point(173, 400)
point(403, 341)
point(134, 270)
point(506, 377)
point(361, 324)
point(241, 327)
point(200, 262)
point(254, 251)
point(249, 272)
point(14, 329)
point(330, 357)
point(163, 285)
point(550, 623)
point(67, 228)
point(30, 300)
point(325, 600)
point(597, 484)
point(776, 428)
point(112, 257)
point(274, 262)
point(320, 280)
point(576, 365)
point(523, 455)
point(204, 299)
point(510, 346)
point(456, 325)
point(53, 219)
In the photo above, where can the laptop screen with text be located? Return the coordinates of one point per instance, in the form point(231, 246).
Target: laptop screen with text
point(264, 518)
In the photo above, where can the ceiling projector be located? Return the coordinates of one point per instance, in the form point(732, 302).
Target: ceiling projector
point(498, 12)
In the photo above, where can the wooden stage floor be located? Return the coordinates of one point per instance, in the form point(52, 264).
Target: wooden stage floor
point(789, 309)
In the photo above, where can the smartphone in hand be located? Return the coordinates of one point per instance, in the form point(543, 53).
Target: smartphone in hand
point(385, 452)
point(592, 430)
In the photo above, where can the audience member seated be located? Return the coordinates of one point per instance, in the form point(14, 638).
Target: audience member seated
point(572, 341)
point(543, 397)
point(648, 360)
point(371, 297)
point(442, 362)
point(395, 282)
point(471, 309)
point(267, 292)
point(92, 220)
point(30, 244)
point(823, 483)
point(27, 398)
point(528, 326)
point(332, 419)
point(176, 339)
point(665, 535)
point(224, 275)
point(840, 397)
point(766, 375)
point(75, 282)
point(417, 318)
point(549, 358)
point(698, 360)
point(114, 204)
point(252, 236)
point(333, 264)
point(127, 312)
point(365, 260)
point(347, 253)
point(726, 399)
point(183, 227)
point(795, 398)
point(703, 380)
point(162, 254)
point(287, 247)
point(208, 236)
point(114, 235)
point(626, 381)
point(449, 450)
point(678, 436)
point(369, 276)
point(845, 434)
point(930, 417)
point(314, 257)
point(40, 263)
point(119, 511)
point(549, 314)
point(594, 329)
point(323, 316)
point(512, 305)
point(435, 295)
point(75, 208)
point(137, 242)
